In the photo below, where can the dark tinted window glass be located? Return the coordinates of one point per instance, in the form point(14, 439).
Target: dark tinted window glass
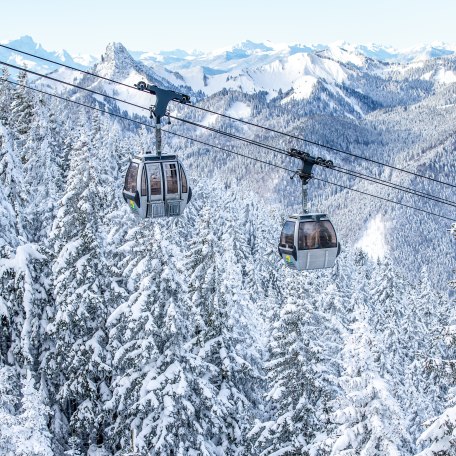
point(316, 235)
point(143, 183)
point(130, 178)
point(287, 236)
point(171, 178)
point(154, 179)
point(183, 180)
point(305, 233)
point(327, 235)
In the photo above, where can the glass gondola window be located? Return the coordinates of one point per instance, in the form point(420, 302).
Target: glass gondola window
point(316, 235)
point(155, 179)
point(130, 178)
point(287, 236)
point(183, 180)
point(306, 229)
point(143, 183)
point(171, 178)
point(327, 234)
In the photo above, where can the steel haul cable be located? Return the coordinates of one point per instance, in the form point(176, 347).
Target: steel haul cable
point(336, 168)
point(246, 140)
point(94, 92)
point(227, 150)
point(314, 143)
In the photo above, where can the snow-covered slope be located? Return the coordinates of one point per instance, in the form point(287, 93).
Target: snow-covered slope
point(243, 66)
point(248, 66)
point(253, 67)
point(298, 72)
point(27, 44)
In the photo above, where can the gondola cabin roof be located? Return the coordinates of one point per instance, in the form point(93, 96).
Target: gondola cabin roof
point(156, 158)
point(309, 217)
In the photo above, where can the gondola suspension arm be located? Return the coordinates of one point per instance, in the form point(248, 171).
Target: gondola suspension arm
point(305, 173)
point(157, 111)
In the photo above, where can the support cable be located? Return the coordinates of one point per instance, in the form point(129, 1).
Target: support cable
point(289, 135)
point(246, 140)
point(228, 151)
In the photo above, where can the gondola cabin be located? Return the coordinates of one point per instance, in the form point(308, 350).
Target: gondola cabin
point(156, 186)
point(309, 241)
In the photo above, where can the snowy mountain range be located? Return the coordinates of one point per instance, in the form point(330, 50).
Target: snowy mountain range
point(267, 66)
point(27, 44)
point(248, 66)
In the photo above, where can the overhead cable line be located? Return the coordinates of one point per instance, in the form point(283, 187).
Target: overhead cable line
point(339, 169)
point(88, 73)
point(325, 146)
point(394, 186)
point(382, 198)
point(145, 124)
point(299, 138)
point(252, 142)
point(79, 103)
point(94, 92)
point(246, 140)
point(227, 150)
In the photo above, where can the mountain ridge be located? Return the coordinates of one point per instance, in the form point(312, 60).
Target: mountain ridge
point(381, 52)
point(251, 67)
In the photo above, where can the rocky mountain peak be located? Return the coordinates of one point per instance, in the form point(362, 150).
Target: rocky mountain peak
point(115, 62)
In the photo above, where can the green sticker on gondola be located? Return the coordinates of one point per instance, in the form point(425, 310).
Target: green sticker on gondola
point(133, 205)
point(288, 258)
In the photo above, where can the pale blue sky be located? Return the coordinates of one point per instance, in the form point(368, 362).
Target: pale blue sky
point(85, 26)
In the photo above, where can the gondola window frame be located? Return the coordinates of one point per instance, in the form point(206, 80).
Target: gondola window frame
point(131, 184)
point(143, 182)
point(183, 179)
point(172, 178)
point(286, 237)
point(154, 171)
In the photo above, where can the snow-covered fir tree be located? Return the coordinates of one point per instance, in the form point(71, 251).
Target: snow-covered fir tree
point(5, 96)
point(21, 107)
point(439, 438)
point(215, 292)
point(301, 370)
point(154, 369)
point(368, 418)
point(9, 398)
point(31, 433)
point(12, 193)
point(77, 364)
